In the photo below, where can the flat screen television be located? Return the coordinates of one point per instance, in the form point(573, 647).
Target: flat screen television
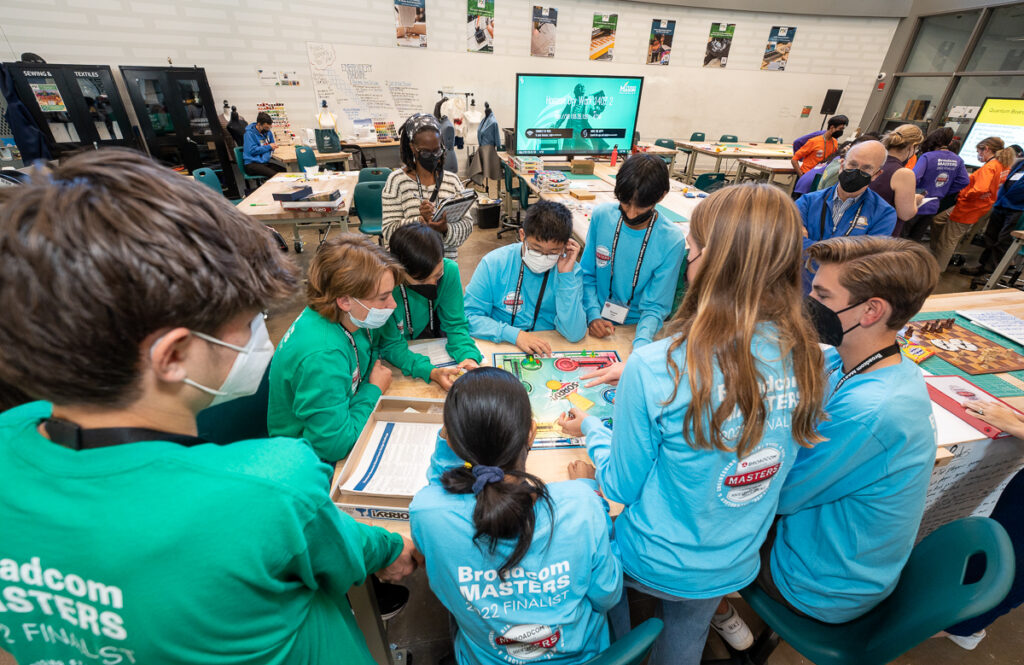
point(997, 117)
point(572, 114)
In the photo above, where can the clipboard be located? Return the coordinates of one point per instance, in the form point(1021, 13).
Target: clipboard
point(457, 205)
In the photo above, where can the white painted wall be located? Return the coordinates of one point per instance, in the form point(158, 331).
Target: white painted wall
point(231, 38)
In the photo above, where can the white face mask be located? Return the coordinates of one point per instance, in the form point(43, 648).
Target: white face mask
point(537, 262)
point(248, 368)
point(375, 317)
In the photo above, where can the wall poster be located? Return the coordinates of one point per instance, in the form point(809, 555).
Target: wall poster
point(480, 26)
point(542, 34)
point(776, 53)
point(602, 36)
point(719, 42)
point(659, 46)
point(411, 22)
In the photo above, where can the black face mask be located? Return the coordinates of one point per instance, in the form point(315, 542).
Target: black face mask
point(852, 180)
point(826, 321)
point(430, 160)
point(837, 134)
point(428, 291)
point(639, 219)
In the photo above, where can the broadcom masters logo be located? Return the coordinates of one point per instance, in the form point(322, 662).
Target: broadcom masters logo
point(747, 480)
point(527, 641)
point(627, 89)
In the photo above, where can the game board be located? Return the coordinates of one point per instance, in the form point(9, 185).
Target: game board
point(554, 385)
point(964, 349)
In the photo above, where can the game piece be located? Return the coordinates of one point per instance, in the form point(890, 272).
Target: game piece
point(579, 401)
point(964, 349)
point(908, 332)
point(557, 380)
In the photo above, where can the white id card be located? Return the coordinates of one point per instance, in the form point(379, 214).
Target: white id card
point(614, 312)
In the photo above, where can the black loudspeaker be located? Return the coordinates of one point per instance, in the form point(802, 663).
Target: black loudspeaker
point(831, 102)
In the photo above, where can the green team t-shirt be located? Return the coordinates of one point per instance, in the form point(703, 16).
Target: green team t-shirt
point(154, 552)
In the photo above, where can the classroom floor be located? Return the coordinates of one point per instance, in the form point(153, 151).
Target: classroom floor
point(422, 627)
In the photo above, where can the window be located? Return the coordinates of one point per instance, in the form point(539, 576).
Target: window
point(972, 91)
point(940, 42)
point(1001, 47)
point(915, 98)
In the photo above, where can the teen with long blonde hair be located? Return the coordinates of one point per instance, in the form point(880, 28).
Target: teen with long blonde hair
point(708, 420)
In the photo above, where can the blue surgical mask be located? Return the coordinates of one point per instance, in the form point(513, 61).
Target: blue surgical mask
point(375, 317)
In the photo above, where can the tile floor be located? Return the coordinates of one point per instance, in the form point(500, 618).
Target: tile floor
point(422, 627)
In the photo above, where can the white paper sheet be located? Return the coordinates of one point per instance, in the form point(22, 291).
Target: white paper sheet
point(396, 460)
point(435, 349)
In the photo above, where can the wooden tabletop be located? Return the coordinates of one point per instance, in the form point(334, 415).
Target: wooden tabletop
point(772, 165)
point(739, 149)
point(262, 206)
point(286, 155)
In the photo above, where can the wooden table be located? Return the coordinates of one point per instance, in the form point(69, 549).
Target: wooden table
point(722, 151)
point(286, 155)
point(768, 168)
point(385, 153)
point(261, 206)
point(660, 150)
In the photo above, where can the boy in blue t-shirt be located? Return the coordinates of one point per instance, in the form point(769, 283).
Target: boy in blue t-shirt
point(851, 506)
point(632, 256)
point(534, 284)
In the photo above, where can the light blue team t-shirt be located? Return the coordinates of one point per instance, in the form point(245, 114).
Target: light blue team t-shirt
point(551, 608)
point(851, 505)
point(693, 519)
point(656, 283)
point(491, 302)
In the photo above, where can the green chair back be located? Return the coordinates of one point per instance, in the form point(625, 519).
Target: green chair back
point(507, 171)
point(208, 178)
point(305, 156)
point(709, 182)
point(931, 595)
point(524, 195)
point(374, 173)
point(773, 139)
point(666, 143)
point(631, 649)
point(238, 420)
point(694, 136)
point(367, 199)
point(240, 160)
point(728, 138)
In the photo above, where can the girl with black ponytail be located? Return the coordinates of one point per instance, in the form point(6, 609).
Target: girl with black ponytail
point(525, 568)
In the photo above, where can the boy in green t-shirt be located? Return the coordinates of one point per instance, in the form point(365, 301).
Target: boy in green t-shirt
point(125, 537)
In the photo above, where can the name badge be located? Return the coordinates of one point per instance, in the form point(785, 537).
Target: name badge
point(1016, 176)
point(614, 312)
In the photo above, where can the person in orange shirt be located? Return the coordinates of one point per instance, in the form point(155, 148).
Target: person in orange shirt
point(974, 200)
point(819, 148)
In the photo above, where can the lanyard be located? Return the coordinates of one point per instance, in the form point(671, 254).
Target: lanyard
point(437, 187)
point(639, 258)
point(355, 352)
point(873, 359)
point(70, 435)
point(540, 298)
point(835, 222)
point(408, 315)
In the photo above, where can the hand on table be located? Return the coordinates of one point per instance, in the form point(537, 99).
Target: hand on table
point(600, 328)
point(609, 375)
point(404, 565)
point(533, 344)
point(998, 415)
point(572, 422)
point(380, 376)
point(581, 469)
point(445, 376)
point(468, 364)
point(568, 258)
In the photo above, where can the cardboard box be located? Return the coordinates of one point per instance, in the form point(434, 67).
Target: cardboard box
point(582, 195)
point(367, 506)
point(583, 166)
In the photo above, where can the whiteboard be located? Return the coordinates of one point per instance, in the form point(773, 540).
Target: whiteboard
point(675, 101)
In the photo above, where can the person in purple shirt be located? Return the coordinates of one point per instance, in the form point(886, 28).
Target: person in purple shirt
point(940, 175)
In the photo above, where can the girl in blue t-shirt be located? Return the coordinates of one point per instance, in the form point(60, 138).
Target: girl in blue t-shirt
point(525, 568)
point(708, 420)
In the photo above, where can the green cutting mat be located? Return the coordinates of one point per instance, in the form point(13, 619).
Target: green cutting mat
point(581, 176)
point(989, 382)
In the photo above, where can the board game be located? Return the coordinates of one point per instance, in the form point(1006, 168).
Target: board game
point(554, 387)
point(962, 348)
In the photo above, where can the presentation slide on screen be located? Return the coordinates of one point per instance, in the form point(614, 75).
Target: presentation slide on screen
point(998, 117)
point(575, 115)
